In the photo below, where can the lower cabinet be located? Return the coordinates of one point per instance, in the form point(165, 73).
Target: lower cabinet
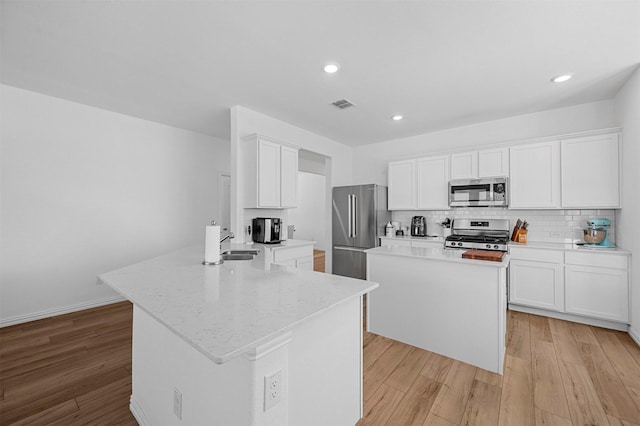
point(298, 257)
point(597, 285)
point(536, 284)
point(594, 285)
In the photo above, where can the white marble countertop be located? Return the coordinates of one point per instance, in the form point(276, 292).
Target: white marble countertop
point(442, 254)
point(284, 244)
point(434, 238)
point(540, 245)
point(227, 309)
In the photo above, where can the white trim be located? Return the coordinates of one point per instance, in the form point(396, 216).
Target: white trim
point(634, 335)
point(569, 317)
point(5, 322)
point(138, 412)
point(264, 349)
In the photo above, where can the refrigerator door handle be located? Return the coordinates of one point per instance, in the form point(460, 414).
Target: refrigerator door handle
point(358, 249)
point(354, 226)
point(350, 212)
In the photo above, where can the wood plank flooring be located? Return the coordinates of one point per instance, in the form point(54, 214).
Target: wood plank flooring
point(556, 373)
point(75, 369)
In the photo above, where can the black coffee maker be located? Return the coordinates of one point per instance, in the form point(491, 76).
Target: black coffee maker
point(419, 226)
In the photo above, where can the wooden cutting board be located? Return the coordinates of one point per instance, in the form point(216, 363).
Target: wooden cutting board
point(494, 256)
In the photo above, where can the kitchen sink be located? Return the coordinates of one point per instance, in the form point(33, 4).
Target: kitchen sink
point(239, 254)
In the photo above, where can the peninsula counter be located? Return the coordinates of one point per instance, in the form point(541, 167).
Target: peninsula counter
point(206, 338)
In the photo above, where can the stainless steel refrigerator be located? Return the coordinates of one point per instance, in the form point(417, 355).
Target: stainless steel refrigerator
point(359, 216)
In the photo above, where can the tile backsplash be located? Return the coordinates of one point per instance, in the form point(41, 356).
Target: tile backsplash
point(561, 226)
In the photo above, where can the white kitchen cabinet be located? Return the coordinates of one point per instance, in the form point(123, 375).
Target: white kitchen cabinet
point(591, 172)
point(597, 286)
point(288, 177)
point(535, 175)
point(536, 284)
point(402, 185)
point(493, 162)
point(482, 163)
point(432, 184)
point(271, 173)
point(464, 165)
point(299, 257)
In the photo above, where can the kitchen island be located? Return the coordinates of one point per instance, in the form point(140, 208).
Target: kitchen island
point(245, 342)
point(434, 299)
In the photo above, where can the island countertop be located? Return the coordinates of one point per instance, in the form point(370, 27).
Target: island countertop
point(227, 309)
point(447, 255)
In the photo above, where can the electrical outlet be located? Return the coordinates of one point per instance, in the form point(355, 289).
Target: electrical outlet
point(177, 403)
point(272, 389)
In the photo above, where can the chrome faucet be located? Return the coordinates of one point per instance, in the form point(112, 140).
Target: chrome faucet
point(227, 237)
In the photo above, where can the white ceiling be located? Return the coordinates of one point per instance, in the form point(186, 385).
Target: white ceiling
point(439, 63)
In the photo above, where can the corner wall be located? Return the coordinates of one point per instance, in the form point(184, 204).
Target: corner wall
point(627, 109)
point(85, 191)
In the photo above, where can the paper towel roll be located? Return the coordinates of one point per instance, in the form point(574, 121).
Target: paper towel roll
point(212, 244)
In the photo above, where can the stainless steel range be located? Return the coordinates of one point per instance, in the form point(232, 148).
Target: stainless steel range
point(484, 234)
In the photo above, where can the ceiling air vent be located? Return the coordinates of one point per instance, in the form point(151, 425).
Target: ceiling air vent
point(343, 103)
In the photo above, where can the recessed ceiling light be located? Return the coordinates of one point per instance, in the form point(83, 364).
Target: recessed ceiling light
point(397, 117)
point(331, 68)
point(561, 78)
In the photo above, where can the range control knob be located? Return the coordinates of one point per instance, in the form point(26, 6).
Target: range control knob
point(495, 247)
point(488, 246)
point(459, 244)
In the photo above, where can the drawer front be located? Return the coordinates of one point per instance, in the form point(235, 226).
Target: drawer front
point(283, 254)
point(535, 255)
point(597, 259)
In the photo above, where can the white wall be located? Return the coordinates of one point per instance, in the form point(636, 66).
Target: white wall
point(85, 191)
point(627, 108)
point(245, 122)
point(370, 161)
point(309, 218)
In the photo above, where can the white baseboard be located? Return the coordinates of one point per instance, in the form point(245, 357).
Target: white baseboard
point(5, 322)
point(570, 317)
point(137, 412)
point(634, 335)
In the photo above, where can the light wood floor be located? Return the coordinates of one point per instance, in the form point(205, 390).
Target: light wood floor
point(76, 370)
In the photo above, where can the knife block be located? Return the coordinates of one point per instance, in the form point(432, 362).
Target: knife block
point(520, 236)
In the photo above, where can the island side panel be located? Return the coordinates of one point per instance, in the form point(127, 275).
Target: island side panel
point(212, 394)
point(325, 368)
point(456, 309)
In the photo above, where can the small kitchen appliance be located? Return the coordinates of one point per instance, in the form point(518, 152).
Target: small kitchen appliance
point(596, 233)
point(266, 230)
point(483, 234)
point(491, 192)
point(419, 226)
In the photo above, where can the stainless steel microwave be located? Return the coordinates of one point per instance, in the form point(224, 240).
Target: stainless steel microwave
point(490, 192)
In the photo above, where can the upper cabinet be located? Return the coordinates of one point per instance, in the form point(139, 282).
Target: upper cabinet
point(581, 172)
point(271, 173)
point(402, 185)
point(493, 162)
point(419, 184)
point(464, 165)
point(591, 172)
point(432, 184)
point(535, 176)
point(481, 163)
